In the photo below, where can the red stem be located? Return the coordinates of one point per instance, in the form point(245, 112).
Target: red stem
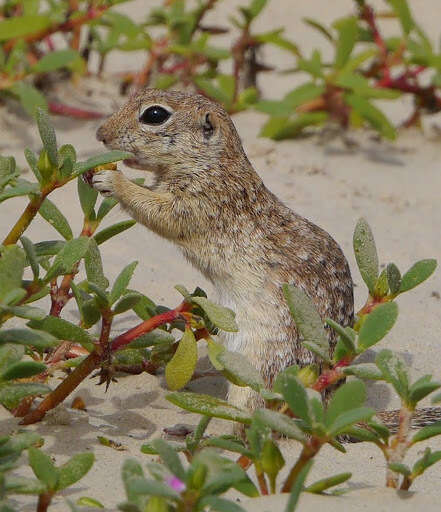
point(78, 113)
point(149, 325)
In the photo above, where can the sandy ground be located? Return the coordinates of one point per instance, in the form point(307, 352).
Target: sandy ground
point(396, 187)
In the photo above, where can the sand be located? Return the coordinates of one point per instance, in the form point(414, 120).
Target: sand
point(395, 186)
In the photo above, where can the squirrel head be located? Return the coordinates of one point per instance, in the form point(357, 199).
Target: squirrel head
point(172, 130)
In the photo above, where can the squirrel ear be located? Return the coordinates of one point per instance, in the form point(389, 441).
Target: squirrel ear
point(209, 123)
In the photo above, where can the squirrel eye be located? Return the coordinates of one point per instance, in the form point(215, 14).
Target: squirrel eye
point(154, 115)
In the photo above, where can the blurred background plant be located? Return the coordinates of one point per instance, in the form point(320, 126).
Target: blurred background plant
point(43, 43)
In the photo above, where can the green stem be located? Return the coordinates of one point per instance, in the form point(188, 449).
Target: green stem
point(25, 219)
point(308, 452)
point(398, 446)
point(261, 480)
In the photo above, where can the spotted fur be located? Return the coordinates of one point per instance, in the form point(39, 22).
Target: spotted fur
point(210, 202)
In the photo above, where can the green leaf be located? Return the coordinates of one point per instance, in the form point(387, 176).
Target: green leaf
point(271, 459)
point(394, 371)
point(36, 339)
point(347, 37)
point(241, 368)
point(28, 312)
point(74, 469)
point(86, 501)
point(128, 301)
point(105, 158)
point(221, 317)
point(142, 486)
point(220, 504)
point(321, 28)
point(180, 368)
point(427, 432)
point(227, 444)
point(276, 38)
point(170, 458)
point(401, 8)
point(313, 66)
point(348, 418)
point(90, 313)
point(49, 247)
point(55, 60)
point(418, 273)
point(327, 483)
point(362, 434)
point(67, 151)
point(377, 324)
point(302, 94)
point(122, 281)
point(366, 253)
point(228, 475)
point(280, 423)
point(115, 229)
point(67, 156)
point(428, 459)
point(63, 330)
point(30, 98)
point(94, 266)
point(294, 393)
point(355, 82)
point(155, 337)
point(12, 394)
point(106, 205)
point(10, 354)
point(52, 214)
point(14, 296)
point(307, 320)
point(298, 487)
point(371, 114)
point(47, 134)
point(31, 255)
point(381, 288)
point(23, 188)
point(88, 196)
point(22, 485)
point(22, 369)
point(393, 278)
point(399, 468)
point(345, 336)
point(19, 26)
point(420, 390)
point(364, 371)
point(71, 253)
point(209, 406)
point(43, 468)
point(12, 264)
point(347, 397)
point(284, 127)
point(131, 469)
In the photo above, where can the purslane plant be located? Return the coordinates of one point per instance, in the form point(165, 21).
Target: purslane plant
point(366, 66)
point(295, 391)
point(175, 37)
point(179, 48)
point(49, 478)
point(52, 343)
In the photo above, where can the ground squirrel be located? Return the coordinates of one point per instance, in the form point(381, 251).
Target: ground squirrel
point(208, 200)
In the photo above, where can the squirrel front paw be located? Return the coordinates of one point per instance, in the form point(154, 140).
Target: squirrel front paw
point(104, 182)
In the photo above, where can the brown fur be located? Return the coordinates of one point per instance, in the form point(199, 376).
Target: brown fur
point(210, 202)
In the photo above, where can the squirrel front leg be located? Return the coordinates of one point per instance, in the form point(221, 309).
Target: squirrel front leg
point(158, 211)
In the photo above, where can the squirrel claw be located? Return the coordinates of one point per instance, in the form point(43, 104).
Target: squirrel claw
point(103, 182)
